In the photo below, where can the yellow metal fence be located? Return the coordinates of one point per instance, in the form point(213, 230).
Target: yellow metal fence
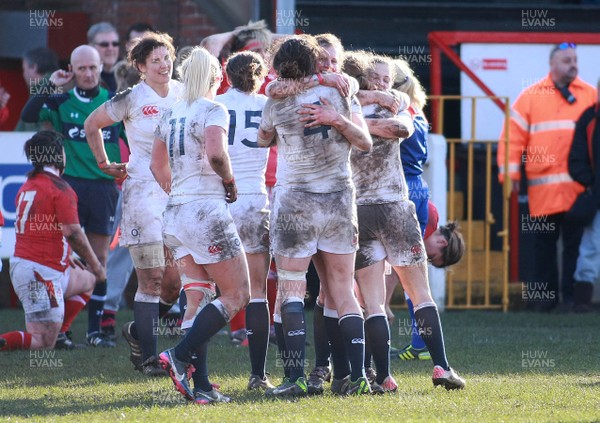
point(480, 281)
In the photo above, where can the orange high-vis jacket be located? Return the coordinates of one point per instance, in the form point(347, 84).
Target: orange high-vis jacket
point(541, 130)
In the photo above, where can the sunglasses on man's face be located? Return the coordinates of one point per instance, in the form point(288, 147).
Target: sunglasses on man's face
point(105, 44)
point(564, 46)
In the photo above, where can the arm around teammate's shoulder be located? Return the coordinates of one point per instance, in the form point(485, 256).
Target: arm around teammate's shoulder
point(399, 126)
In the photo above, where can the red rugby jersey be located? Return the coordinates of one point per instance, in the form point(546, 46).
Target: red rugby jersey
point(432, 220)
point(45, 202)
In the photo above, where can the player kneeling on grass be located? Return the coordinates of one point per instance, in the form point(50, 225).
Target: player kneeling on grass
point(39, 270)
point(190, 162)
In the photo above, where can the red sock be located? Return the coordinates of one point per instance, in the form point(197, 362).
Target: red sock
point(109, 319)
point(73, 306)
point(272, 293)
point(239, 321)
point(16, 340)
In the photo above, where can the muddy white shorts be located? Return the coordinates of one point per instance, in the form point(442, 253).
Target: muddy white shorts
point(143, 206)
point(389, 231)
point(202, 228)
point(303, 222)
point(40, 289)
point(251, 216)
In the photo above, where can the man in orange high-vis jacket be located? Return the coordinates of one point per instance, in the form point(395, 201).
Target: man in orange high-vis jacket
point(542, 122)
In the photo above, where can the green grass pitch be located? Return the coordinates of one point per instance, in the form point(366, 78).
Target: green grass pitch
point(519, 367)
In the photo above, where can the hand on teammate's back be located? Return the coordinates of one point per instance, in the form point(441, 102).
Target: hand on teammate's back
point(318, 114)
point(338, 81)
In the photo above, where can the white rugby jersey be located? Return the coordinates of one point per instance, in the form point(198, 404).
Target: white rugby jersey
point(248, 161)
point(182, 129)
point(377, 174)
point(354, 88)
point(140, 109)
point(309, 159)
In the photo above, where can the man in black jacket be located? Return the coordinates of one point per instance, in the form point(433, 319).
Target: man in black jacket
point(584, 160)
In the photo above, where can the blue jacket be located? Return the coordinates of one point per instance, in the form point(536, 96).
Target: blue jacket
point(413, 150)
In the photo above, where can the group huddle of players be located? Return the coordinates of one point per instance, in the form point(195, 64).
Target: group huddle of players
point(197, 212)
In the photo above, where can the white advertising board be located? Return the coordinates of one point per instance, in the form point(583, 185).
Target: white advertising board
point(507, 69)
point(13, 171)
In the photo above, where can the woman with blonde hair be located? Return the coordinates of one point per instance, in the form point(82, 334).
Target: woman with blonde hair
point(190, 162)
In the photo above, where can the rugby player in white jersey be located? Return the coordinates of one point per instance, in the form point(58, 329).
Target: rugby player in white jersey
point(326, 334)
point(144, 201)
point(246, 72)
point(190, 161)
point(313, 209)
point(389, 231)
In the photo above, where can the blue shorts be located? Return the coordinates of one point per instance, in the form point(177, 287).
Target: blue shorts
point(96, 203)
point(418, 193)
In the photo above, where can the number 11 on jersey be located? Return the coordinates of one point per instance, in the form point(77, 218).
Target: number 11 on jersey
point(173, 123)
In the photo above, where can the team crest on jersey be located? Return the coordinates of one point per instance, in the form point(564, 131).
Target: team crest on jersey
point(150, 110)
point(416, 250)
point(215, 249)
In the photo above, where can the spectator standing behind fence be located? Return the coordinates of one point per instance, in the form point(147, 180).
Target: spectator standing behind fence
point(104, 37)
point(97, 193)
point(38, 65)
point(541, 129)
point(584, 160)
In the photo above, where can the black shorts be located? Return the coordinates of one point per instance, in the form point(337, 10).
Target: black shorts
point(96, 204)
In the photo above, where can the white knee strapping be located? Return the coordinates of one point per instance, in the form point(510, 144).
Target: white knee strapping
point(140, 297)
point(292, 300)
point(377, 315)
point(206, 287)
point(276, 318)
point(329, 312)
point(289, 275)
point(148, 256)
point(425, 305)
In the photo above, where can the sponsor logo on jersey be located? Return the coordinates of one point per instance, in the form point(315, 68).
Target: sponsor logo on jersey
point(76, 132)
point(150, 110)
point(215, 249)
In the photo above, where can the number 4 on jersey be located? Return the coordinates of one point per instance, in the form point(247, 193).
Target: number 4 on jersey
point(322, 129)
